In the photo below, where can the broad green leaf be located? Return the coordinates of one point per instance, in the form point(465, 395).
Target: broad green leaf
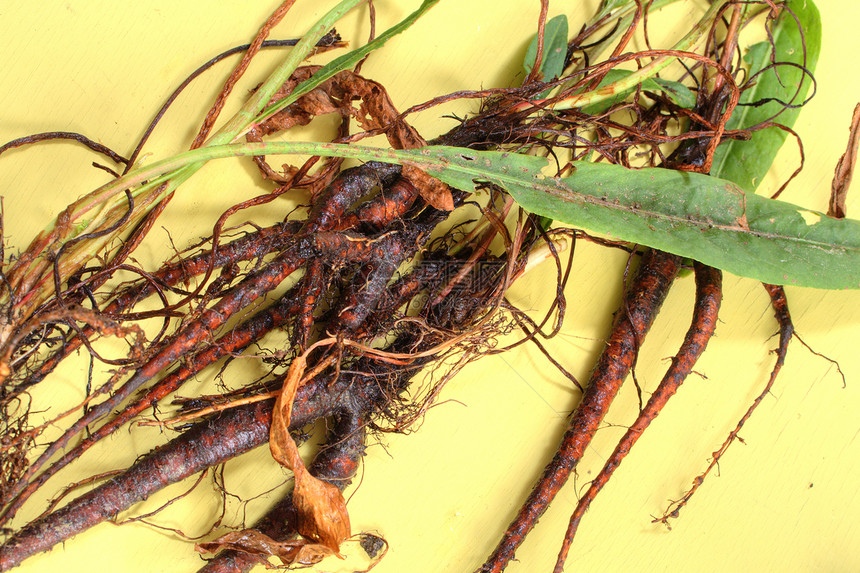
point(746, 162)
point(697, 216)
point(554, 49)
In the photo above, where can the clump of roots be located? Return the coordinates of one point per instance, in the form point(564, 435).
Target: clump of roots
point(386, 273)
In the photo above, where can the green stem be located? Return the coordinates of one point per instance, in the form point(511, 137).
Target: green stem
point(246, 117)
point(107, 200)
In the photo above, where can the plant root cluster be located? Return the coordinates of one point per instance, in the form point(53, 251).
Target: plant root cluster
point(376, 280)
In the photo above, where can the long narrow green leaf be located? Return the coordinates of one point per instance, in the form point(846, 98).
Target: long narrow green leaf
point(746, 162)
point(707, 219)
point(258, 100)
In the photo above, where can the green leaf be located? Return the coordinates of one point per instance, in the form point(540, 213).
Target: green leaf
point(607, 6)
point(746, 162)
point(552, 64)
point(680, 94)
point(707, 219)
point(554, 49)
point(697, 216)
point(544, 222)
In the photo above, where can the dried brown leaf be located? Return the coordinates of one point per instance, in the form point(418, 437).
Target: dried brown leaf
point(291, 552)
point(845, 169)
point(281, 444)
point(321, 507)
point(436, 193)
point(376, 112)
point(322, 511)
point(336, 95)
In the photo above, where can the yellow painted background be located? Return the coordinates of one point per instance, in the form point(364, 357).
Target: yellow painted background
point(786, 501)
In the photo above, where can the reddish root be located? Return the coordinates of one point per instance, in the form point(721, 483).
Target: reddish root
point(708, 297)
point(786, 331)
point(241, 430)
point(640, 306)
point(208, 443)
point(234, 341)
point(186, 341)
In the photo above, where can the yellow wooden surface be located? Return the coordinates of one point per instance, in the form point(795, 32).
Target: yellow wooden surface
point(786, 501)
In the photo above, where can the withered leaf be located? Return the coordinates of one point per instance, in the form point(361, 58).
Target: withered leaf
point(322, 510)
point(281, 444)
point(376, 112)
point(336, 95)
point(291, 552)
point(845, 169)
point(436, 193)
